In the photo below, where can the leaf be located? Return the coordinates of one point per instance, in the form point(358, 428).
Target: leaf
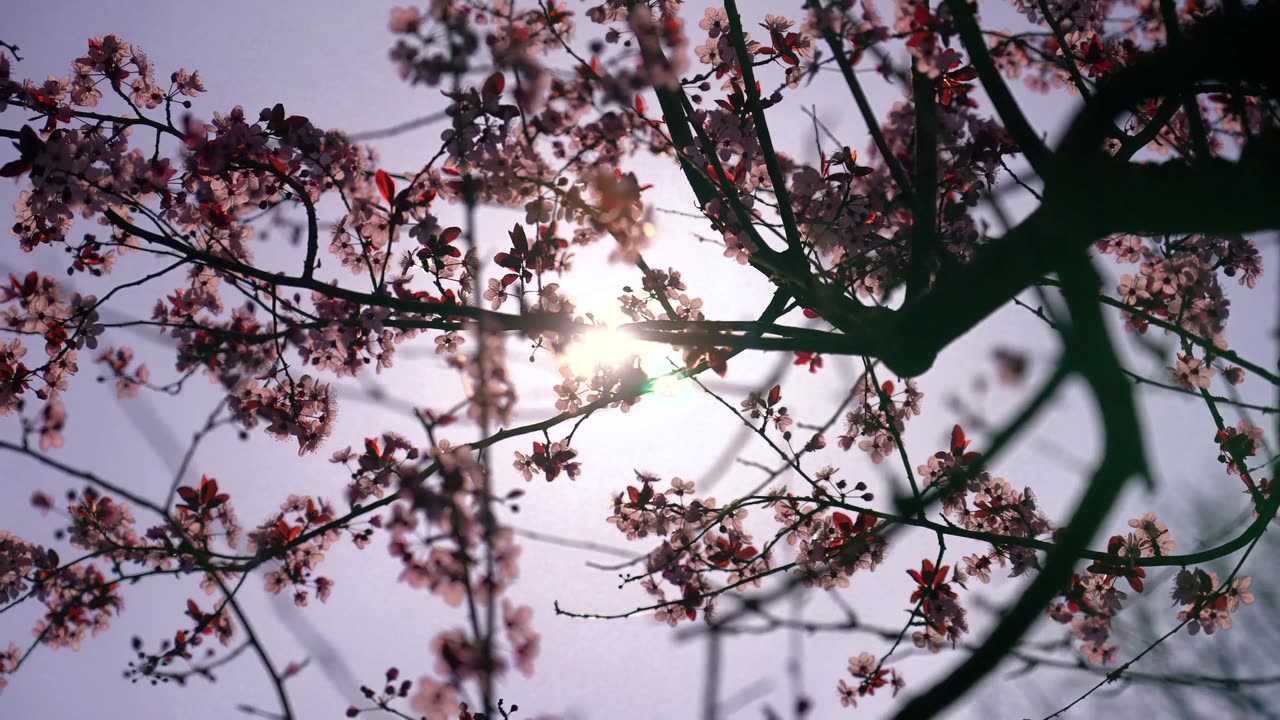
point(958, 440)
point(29, 145)
point(519, 240)
point(640, 496)
point(208, 490)
point(189, 496)
point(494, 85)
point(386, 185)
point(775, 395)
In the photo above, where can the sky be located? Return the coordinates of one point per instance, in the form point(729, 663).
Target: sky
point(328, 61)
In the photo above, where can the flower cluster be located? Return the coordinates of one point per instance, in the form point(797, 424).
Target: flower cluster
point(1209, 603)
point(21, 562)
point(549, 459)
point(296, 537)
point(879, 419)
point(871, 676)
point(975, 500)
point(700, 543)
point(1093, 598)
point(938, 607)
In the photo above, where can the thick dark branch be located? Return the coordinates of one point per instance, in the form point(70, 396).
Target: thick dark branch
point(1102, 195)
point(1154, 125)
point(1221, 49)
point(1215, 197)
point(1173, 32)
point(924, 232)
point(1091, 352)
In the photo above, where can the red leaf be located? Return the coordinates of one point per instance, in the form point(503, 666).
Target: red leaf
point(15, 168)
point(278, 164)
point(208, 490)
point(495, 84)
point(519, 240)
point(386, 185)
point(641, 496)
point(842, 522)
point(715, 175)
point(958, 441)
point(640, 104)
point(448, 235)
point(775, 395)
point(189, 495)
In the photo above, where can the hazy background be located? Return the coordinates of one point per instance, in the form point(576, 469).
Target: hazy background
point(328, 61)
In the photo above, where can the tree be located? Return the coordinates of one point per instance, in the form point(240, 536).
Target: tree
point(956, 207)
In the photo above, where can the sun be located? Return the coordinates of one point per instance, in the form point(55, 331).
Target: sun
point(616, 348)
point(609, 344)
point(609, 347)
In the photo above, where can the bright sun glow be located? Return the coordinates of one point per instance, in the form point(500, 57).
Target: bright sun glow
point(606, 346)
point(616, 349)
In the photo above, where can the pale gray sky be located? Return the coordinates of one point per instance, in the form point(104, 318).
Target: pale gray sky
point(328, 60)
